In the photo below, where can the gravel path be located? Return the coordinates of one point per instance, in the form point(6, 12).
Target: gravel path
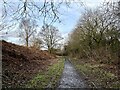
point(70, 78)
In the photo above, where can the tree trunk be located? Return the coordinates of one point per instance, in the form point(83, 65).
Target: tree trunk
point(27, 41)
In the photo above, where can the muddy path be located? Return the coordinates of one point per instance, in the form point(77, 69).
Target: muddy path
point(70, 78)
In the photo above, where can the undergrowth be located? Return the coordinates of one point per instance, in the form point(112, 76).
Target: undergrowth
point(97, 76)
point(49, 78)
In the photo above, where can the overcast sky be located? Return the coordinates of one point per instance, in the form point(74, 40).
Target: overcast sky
point(69, 18)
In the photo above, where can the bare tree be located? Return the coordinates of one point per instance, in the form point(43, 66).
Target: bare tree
point(47, 11)
point(28, 28)
point(36, 42)
point(96, 28)
point(43, 11)
point(50, 36)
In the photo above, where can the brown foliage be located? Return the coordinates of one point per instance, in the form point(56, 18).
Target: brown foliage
point(20, 64)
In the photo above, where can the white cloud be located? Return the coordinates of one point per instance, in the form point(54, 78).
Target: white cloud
point(95, 3)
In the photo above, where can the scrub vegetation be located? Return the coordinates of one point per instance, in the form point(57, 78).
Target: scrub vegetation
point(95, 45)
point(98, 75)
point(48, 78)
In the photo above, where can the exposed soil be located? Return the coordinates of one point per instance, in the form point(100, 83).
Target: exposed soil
point(20, 64)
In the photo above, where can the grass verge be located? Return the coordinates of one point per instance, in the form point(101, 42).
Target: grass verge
point(49, 78)
point(97, 76)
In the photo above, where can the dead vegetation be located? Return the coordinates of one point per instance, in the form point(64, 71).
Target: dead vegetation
point(20, 64)
point(98, 75)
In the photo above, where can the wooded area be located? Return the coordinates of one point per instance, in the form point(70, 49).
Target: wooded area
point(92, 49)
point(97, 35)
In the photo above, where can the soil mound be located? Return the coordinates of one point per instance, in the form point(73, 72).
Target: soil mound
point(20, 63)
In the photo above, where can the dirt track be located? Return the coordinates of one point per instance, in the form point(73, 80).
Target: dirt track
point(70, 78)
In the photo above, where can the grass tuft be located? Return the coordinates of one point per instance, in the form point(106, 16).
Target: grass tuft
point(97, 75)
point(49, 78)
